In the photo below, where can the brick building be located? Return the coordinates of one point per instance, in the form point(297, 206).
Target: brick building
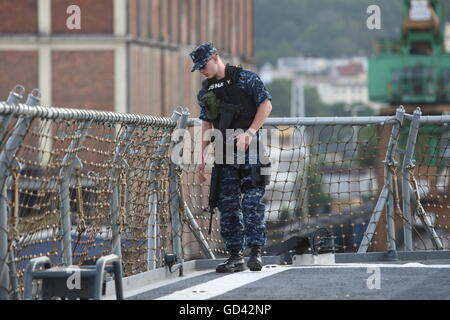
point(127, 56)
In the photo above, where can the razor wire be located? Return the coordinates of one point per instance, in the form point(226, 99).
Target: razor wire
point(55, 149)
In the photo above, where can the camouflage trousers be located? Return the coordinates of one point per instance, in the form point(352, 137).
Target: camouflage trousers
point(242, 221)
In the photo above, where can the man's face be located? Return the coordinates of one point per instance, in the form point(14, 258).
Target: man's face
point(209, 70)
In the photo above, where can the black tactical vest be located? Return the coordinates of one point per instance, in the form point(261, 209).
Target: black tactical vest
point(226, 90)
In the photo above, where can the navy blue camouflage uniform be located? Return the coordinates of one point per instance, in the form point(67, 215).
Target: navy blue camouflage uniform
point(242, 213)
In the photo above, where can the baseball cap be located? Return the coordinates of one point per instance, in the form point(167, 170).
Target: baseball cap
point(201, 55)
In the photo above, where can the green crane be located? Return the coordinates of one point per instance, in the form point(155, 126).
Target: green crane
point(414, 69)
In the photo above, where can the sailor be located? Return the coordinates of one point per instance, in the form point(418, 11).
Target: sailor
point(236, 99)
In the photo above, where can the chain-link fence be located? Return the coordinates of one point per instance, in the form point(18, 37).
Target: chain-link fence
point(344, 178)
point(79, 184)
point(324, 173)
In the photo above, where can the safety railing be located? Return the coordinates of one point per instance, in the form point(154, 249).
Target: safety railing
point(345, 178)
point(77, 185)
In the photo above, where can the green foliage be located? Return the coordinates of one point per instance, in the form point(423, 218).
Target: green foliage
point(318, 198)
point(313, 105)
point(368, 197)
point(280, 89)
point(367, 145)
point(285, 214)
point(325, 28)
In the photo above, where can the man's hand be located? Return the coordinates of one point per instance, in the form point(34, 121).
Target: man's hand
point(243, 141)
point(201, 172)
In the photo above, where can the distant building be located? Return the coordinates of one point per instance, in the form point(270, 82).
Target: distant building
point(266, 73)
point(127, 56)
point(336, 80)
point(303, 65)
point(345, 83)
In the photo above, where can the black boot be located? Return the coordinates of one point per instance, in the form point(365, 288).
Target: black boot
point(233, 264)
point(255, 261)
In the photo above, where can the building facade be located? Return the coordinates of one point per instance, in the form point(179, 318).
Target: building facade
point(336, 80)
point(118, 55)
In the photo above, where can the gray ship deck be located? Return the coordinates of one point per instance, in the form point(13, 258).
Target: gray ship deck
point(415, 276)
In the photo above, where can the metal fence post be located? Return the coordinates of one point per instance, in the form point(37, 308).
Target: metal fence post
point(7, 157)
point(193, 225)
point(152, 231)
point(69, 163)
point(386, 195)
point(390, 162)
point(15, 166)
point(408, 163)
point(152, 226)
point(13, 99)
point(114, 185)
point(4, 270)
point(198, 233)
point(174, 182)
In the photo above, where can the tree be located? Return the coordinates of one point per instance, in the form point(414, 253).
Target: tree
point(326, 28)
point(280, 89)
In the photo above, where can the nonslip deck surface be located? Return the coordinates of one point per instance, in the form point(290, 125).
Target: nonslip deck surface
point(428, 280)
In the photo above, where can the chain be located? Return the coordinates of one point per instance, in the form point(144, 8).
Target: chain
point(82, 223)
point(179, 173)
point(163, 215)
point(419, 207)
point(122, 201)
point(81, 226)
point(15, 236)
point(398, 211)
point(393, 169)
point(420, 210)
point(415, 186)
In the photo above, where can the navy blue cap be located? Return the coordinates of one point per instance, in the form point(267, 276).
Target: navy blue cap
point(201, 55)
